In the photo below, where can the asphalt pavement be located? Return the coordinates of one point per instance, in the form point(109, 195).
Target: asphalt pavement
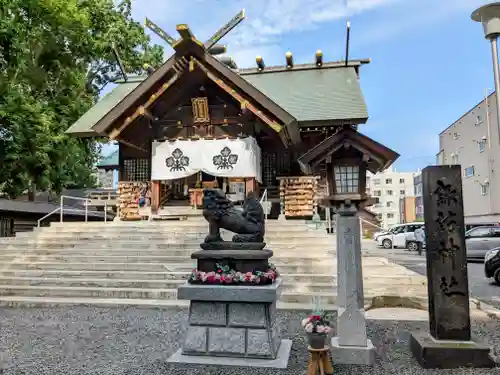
point(479, 286)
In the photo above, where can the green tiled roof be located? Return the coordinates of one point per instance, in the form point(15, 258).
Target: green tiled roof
point(314, 94)
point(109, 161)
point(83, 127)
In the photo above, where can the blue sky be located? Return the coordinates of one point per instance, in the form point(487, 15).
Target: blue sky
point(430, 62)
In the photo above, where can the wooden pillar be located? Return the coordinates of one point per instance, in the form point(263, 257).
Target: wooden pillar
point(249, 185)
point(155, 197)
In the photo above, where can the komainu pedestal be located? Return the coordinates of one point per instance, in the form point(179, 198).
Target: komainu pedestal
point(233, 325)
point(233, 293)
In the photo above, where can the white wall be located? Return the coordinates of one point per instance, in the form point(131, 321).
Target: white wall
point(389, 186)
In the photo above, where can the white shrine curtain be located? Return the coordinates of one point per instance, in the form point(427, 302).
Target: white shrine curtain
point(217, 157)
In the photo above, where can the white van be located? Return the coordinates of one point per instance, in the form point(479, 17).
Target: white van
point(401, 235)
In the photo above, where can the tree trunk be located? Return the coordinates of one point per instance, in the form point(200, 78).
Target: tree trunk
point(32, 192)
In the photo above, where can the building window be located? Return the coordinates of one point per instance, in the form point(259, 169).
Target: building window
point(401, 180)
point(346, 179)
point(390, 216)
point(484, 189)
point(469, 172)
point(377, 200)
point(402, 192)
point(376, 182)
point(388, 181)
point(377, 193)
point(389, 204)
point(481, 145)
point(454, 159)
point(479, 119)
point(456, 135)
point(389, 192)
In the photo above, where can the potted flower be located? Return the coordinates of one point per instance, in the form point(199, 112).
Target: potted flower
point(317, 328)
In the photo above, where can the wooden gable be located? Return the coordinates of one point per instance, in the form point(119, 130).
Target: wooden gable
point(378, 157)
point(185, 70)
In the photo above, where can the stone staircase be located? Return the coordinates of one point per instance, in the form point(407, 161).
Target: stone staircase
point(143, 263)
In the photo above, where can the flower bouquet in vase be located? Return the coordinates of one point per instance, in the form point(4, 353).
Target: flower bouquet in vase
point(317, 329)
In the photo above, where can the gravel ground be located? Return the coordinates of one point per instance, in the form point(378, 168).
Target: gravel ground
point(134, 341)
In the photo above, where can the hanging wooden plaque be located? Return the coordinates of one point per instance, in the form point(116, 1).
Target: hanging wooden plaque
point(200, 110)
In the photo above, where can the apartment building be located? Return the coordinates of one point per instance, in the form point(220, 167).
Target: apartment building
point(473, 142)
point(388, 188)
point(419, 202)
point(407, 209)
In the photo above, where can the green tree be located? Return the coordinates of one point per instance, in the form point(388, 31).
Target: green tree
point(55, 58)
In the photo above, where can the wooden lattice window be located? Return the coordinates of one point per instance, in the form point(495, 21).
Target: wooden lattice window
point(275, 164)
point(6, 227)
point(136, 169)
point(200, 110)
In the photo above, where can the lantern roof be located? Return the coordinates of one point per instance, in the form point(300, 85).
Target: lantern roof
point(376, 156)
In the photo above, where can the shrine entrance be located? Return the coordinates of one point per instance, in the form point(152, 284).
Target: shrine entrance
point(181, 169)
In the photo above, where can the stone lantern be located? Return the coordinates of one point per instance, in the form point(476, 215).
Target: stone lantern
point(348, 155)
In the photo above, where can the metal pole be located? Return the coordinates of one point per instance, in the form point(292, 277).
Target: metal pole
point(496, 73)
point(105, 211)
point(61, 214)
point(487, 110)
point(86, 210)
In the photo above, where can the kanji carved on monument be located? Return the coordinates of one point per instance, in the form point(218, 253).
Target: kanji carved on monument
point(449, 344)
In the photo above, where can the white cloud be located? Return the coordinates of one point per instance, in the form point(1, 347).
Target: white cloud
point(405, 16)
point(268, 21)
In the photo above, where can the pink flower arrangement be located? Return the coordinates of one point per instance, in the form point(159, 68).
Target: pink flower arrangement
point(316, 324)
point(225, 275)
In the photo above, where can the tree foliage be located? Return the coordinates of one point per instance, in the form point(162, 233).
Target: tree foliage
point(55, 58)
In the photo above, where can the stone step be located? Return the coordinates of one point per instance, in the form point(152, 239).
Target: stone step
point(182, 275)
point(113, 235)
point(171, 294)
point(312, 284)
point(317, 251)
point(369, 270)
point(160, 229)
point(301, 258)
point(192, 221)
point(147, 244)
point(24, 301)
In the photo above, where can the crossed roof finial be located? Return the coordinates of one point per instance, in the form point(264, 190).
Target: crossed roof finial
point(210, 45)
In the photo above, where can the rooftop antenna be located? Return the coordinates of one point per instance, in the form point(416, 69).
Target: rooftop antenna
point(348, 36)
point(119, 61)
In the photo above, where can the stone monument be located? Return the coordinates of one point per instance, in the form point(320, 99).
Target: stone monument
point(351, 345)
point(449, 343)
point(347, 155)
point(233, 292)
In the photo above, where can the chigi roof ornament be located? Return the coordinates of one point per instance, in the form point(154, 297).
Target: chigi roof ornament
point(210, 45)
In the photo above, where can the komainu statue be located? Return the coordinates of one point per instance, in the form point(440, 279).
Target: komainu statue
point(249, 224)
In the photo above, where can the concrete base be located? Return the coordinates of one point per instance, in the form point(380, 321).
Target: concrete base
point(280, 362)
point(353, 355)
point(237, 321)
point(432, 353)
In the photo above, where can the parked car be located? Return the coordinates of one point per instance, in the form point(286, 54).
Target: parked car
point(492, 264)
point(480, 240)
point(471, 226)
point(401, 235)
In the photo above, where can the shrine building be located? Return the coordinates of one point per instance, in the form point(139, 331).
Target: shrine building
point(198, 121)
